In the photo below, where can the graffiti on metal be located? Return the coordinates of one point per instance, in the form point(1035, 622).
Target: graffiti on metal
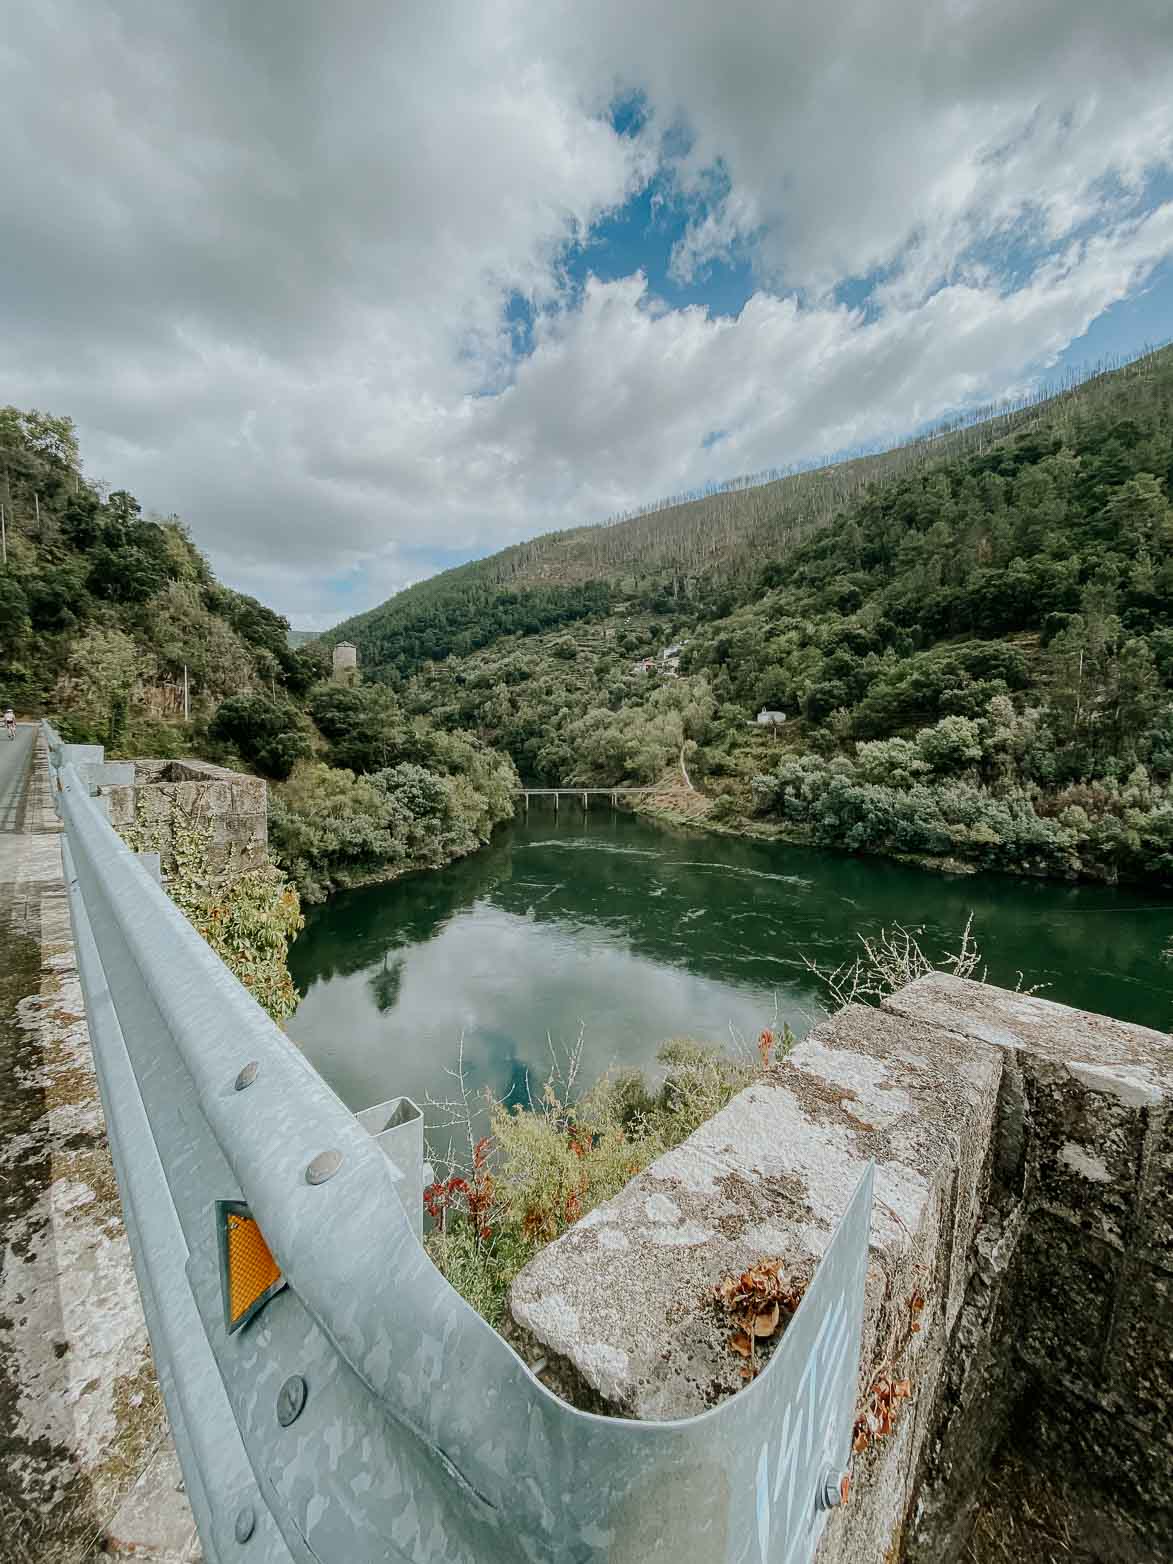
point(419, 1434)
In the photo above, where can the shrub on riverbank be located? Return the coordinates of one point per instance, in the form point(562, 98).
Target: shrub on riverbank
point(331, 828)
point(955, 790)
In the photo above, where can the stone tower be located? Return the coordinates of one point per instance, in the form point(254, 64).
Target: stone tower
point(345, 663)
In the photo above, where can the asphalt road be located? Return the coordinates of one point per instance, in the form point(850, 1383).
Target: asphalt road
point(15, 755)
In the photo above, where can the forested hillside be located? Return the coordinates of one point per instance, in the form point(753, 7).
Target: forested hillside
point(974, 654)
point(107, 617)
point(702, 553)
point(101, 609)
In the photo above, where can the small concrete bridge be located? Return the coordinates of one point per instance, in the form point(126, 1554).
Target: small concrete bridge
point(583, 793)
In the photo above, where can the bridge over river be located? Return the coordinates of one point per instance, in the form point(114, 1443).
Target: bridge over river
point(586, 793)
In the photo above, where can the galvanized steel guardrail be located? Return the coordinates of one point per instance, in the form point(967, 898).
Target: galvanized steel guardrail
point(367, 1412)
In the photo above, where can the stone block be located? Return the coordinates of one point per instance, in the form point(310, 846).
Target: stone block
point(1086, 1149)
point(1156, 1227)
point(122, 806)
point(1120, 1465)
point(1138, 1060)
point(1066, 1286)
point(1142, 1350)
point(624, 1296)
point(232, 806)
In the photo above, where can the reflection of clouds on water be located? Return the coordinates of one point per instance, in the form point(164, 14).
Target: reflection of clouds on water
point(638, 945)
point(505, 983)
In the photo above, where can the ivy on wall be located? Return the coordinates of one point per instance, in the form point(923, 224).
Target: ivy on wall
point(247, 916)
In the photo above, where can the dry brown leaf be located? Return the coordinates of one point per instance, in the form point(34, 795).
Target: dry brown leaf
point(766, 1323)
point(740, 1342)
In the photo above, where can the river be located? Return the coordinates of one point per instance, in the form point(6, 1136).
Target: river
point(629, 933)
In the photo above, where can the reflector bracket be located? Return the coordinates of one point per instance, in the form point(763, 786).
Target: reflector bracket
point(249, 1274)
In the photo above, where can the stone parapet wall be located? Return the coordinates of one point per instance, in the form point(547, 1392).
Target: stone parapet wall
point(1024, 1163)
point(232, 805)
point(1073, 1358)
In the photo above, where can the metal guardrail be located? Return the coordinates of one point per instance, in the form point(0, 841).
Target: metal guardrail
point(367, 1413)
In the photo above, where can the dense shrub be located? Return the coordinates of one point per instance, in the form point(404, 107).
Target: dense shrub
point(885, 801)
point(331, 828)
point(247, 916)
point(270, 735)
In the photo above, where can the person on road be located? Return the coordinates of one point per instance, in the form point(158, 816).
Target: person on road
point(10, 722)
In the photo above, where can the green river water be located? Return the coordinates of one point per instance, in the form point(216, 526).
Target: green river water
point(631, 933)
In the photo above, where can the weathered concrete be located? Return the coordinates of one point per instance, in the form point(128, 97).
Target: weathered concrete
point(1023, 1178)
point(154, 1520)
point(80, 1412)
point(234, 807)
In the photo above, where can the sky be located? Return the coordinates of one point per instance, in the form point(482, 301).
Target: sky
point(361, 291)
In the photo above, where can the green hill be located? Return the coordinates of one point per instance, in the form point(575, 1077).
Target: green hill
point(704, 552)
point(971, 638)
point(103, 610)
point(973, 649)
point(112, 624)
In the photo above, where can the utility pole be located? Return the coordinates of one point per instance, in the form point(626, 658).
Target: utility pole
point(3, 535)
point(185, 701)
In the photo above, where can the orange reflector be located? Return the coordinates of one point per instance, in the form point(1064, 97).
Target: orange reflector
point(250, 1274)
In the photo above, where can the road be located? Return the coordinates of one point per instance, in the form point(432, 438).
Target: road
point(15, 755)
point(79, 1409)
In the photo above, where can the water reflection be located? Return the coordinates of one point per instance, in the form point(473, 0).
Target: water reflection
point(632, 933)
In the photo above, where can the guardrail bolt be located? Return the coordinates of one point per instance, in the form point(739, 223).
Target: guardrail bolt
point(833, 1488)
point(324, 1166)
point(246, 1523)
point(247, 1076)
point(290, 1400)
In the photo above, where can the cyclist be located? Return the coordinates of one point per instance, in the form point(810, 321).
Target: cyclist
point(10, 722)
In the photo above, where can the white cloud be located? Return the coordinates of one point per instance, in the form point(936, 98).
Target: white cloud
point(263, 257)
point(850, 131)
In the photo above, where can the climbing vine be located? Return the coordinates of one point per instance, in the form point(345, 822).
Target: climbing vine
point(247, 915)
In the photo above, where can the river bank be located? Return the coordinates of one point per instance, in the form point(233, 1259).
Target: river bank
point(688, 811)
